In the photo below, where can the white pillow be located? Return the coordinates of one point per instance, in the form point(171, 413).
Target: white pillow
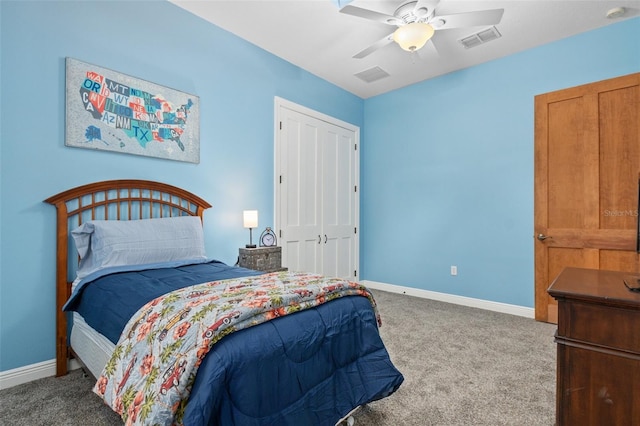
point(108, 243)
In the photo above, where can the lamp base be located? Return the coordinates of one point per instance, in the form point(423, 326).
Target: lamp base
point(250, 246)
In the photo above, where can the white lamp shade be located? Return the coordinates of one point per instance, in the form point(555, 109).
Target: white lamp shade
point(250, 218)
point(414, 36)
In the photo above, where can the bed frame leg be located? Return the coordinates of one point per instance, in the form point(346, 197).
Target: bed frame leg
point(348, 420)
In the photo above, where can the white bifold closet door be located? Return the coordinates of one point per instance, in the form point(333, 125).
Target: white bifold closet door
point(316, 192)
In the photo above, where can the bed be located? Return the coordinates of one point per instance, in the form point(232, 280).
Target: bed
point(175, 337)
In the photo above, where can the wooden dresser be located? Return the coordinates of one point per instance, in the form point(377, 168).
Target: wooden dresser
point(598, 338)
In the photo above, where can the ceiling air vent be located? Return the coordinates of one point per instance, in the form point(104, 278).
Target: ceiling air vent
point(372, 74)
point(480, 37)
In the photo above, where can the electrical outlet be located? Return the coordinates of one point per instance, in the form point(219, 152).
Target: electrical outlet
point(454, 270)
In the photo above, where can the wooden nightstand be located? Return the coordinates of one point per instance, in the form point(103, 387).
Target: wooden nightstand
point(266, 259)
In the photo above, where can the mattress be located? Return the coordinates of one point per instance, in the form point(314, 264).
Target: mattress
point(91, 347)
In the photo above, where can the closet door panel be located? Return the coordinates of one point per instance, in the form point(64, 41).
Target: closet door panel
point(338, 202)
point(301, 185)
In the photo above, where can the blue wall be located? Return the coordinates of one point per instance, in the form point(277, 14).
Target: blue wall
point(447, 167)
point(159, 42)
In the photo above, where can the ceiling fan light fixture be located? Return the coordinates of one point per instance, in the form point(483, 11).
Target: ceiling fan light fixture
point(413, 36)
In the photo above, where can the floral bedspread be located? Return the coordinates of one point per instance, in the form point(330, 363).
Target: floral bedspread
point(150, 374)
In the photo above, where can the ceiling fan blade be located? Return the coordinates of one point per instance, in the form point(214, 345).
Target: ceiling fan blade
point(469, 19)
point(369, 14)
point(375, 46)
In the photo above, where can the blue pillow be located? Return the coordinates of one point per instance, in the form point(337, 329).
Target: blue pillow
point(108, 243)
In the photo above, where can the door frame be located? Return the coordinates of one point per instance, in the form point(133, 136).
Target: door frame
point(280, 103)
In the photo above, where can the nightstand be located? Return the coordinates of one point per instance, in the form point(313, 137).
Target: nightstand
point(266, 259)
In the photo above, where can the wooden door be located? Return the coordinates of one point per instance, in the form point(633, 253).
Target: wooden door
point(587, 161)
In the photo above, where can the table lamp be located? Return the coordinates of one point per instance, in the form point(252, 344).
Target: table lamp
point(250, 220)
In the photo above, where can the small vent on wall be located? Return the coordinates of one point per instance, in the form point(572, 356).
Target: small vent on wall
point(480, 37)
point(372, 74)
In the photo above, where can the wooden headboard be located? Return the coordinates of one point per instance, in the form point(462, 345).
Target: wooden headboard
point(107, 200)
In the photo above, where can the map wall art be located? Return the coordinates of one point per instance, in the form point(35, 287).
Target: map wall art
point(107, 110)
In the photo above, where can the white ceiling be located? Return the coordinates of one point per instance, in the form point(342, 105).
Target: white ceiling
point(315, 36)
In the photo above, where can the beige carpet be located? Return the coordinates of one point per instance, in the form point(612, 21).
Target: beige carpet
point(462, 366)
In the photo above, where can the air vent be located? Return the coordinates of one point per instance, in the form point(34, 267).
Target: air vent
point(372, 74)
point(480, 37)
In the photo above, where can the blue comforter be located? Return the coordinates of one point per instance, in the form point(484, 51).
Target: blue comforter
point(129, 290)
point(309, 368)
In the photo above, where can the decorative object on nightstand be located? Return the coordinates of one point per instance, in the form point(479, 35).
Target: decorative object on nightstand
point(265, 259)
point(250, 220)
point(268, 238)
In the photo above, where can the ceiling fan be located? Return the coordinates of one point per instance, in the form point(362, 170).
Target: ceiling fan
point(417, 22)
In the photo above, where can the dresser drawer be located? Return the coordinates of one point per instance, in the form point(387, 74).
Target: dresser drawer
point(607, 326)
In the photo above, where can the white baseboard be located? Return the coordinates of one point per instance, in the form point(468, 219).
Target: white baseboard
point(29, 373)
point(505, 308)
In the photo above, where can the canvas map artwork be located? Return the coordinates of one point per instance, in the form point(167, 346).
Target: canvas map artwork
point(107, 110)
